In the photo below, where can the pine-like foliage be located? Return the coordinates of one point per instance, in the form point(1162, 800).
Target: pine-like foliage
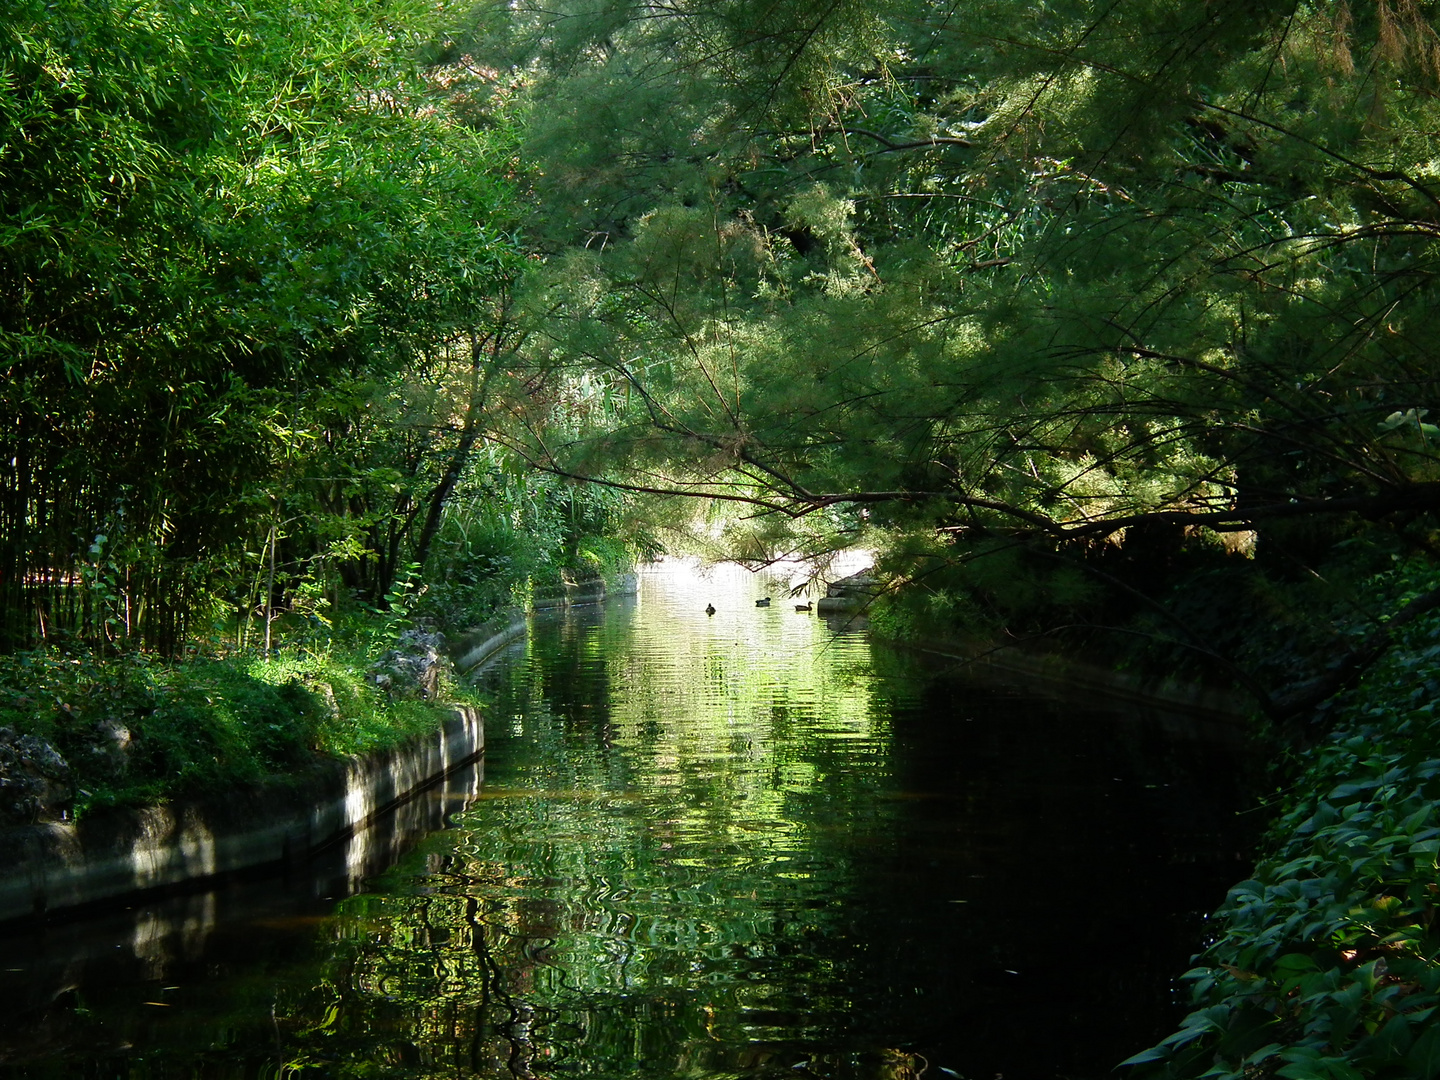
point(1054, 269)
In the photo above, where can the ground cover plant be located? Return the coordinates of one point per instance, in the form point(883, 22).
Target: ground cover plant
point(79, 732)
point(1325, 963)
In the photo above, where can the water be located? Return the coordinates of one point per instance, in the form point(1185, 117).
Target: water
point(748, 844)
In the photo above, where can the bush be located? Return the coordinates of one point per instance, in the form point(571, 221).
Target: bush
point(1326, 963)
point(135, 730)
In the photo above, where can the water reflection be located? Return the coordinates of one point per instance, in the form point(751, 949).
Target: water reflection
point(141, 989)
point(724, 846)
point(740, 844)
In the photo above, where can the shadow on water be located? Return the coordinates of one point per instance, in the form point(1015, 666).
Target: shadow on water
point(725, 845)
point(89, 994)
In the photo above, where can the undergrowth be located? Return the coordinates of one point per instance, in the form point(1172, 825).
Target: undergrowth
point(135, 730)
point(1325, 964)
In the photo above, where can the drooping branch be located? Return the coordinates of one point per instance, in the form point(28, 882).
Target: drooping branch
point(790, 497)
point(892, 147)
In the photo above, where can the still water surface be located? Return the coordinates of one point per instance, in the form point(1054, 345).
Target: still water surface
point(751, 844)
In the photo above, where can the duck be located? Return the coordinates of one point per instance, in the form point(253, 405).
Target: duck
point(807, 606)
point(709, 609)
point(763, 603)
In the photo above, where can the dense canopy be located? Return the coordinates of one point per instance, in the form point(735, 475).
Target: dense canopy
point(224, 228)
point(1115, 278)
point(1057, 267)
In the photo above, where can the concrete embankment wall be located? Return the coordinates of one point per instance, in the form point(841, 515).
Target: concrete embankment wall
point(112, 853)
point(1067, 674)
point(847, 600)
point(579, 593)
point(477, 645)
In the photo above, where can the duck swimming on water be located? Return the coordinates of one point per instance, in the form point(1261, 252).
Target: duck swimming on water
point(807, 606)
point(709, 609)
point(763, 603)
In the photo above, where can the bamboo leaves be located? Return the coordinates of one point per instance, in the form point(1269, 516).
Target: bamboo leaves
point(208, 210)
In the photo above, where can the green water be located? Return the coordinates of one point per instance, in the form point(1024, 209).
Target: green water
point(747, 844)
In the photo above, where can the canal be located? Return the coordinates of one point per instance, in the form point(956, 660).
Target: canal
point(747, 844)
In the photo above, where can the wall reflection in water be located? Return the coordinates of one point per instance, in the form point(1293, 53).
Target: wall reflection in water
point(114, 980)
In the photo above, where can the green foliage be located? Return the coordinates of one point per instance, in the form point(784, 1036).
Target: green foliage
point(189, 727)
point(209, 213)
point(362, 718)
point(205, 724)
point(1047, 272)
point(1323, 964)
point(510, 533)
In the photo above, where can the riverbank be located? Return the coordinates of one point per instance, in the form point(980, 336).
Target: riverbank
point(80, 732)
point(1322, 963)
point(122, 775)
point(1326, 961)
point(143, 776)
point(1054, 671)
point(121, 851)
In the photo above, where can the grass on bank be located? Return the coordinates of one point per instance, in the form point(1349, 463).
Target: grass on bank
point(134, 729)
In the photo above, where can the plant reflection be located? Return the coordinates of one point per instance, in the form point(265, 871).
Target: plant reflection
point(702, 859)
point(715, 847)
point(668, 896)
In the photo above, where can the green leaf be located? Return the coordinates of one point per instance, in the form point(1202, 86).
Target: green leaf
point(1424, 1056)
point(1155, 1053)
point(1265, 1052)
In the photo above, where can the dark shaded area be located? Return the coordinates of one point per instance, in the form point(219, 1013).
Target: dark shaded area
point(1048, 878)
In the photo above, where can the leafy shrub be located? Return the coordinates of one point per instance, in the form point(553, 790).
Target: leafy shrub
point(1326, 963)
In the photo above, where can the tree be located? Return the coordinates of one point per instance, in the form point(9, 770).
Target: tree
point(208, 214)
point(1074, 278)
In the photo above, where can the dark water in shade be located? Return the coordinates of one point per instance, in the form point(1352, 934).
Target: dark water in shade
point(746, 845)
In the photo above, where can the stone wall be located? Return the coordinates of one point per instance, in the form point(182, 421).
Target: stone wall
point(111, 853)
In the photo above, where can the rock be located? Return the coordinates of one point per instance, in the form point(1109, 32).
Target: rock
point(113, 735)
point(414, 667)
point(853, 593)
point(326, 693)
point(109, 748)
point(34, 780)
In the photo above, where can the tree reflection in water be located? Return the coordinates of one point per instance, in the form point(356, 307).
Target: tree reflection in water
point(747, 845)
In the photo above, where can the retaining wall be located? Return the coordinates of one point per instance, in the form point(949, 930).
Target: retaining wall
point(1061, 674)
point(594, 591)
point(478, 644)
point(112, 853)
